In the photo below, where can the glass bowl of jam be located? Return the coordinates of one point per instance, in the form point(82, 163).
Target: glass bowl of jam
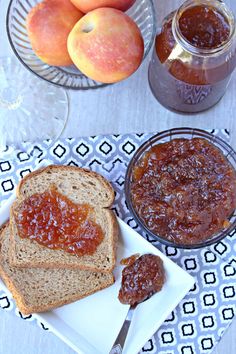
point(180, 187)
point(69, 77)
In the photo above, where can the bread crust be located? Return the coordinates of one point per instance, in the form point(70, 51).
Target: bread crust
point(66, 168)
point(27, 310)
point(19, 298)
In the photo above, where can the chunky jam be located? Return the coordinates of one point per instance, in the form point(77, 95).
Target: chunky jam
point(130, 260)
point(184, 190)
point(204, 27)
point(54, 221)
point(181, 76)
point(141, 279)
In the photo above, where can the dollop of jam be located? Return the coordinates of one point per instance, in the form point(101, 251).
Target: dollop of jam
point(184, 190)
point(54, 221)
point(130, 260)
point(141, 279)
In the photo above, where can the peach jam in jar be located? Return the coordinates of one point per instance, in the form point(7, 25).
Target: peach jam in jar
point(194, 56)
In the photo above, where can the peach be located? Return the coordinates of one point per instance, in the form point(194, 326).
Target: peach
point(106, 45)
point(49, 24)
point(89, 5)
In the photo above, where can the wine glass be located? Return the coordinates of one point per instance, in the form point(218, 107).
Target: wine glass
point(30, 109)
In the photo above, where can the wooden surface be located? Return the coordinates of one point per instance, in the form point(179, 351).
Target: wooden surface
point(122, 108)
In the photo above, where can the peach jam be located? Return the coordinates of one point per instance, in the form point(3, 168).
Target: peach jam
point(184, 190)
point(194, 56)
point(54, 221)
point(141, 279)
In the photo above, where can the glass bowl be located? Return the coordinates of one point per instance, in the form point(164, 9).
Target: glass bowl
point(142, 12)
point(166, 136)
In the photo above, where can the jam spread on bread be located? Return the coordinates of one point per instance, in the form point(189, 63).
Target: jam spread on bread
point(141, 279)
point(54, 221)
point(184, 190)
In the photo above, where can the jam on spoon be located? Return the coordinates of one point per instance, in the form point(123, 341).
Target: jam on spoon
point(141, 278)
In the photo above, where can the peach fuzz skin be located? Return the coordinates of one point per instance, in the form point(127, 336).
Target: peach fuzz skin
point(49, 24)
point(89, 5)
point(106, 45)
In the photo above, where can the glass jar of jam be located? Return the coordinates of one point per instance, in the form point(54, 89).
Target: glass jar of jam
point(194, 56)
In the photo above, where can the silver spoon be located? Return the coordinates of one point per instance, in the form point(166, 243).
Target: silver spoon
point(120, 340)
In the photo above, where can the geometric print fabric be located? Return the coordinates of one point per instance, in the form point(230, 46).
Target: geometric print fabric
point(200, 320)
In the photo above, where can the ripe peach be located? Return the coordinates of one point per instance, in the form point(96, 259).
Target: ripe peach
point(49, 24)
point(89, 5)
point(106, 45)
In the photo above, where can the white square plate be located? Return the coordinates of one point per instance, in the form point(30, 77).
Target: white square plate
point(91, 325)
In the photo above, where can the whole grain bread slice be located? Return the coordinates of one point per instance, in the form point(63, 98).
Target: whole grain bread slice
point(39, 290)
point(80, 186)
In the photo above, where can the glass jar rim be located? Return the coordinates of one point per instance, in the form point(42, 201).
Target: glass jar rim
point(180, 39)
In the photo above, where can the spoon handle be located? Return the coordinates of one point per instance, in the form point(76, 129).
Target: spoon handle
point(120, 340)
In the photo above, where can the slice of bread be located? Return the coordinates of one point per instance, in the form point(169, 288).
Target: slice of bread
point(80, 186)
point(39, 290)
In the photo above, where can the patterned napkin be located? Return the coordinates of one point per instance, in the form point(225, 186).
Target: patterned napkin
point(199, 321)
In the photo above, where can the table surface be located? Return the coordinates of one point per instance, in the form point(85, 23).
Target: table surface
point(122, 108)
